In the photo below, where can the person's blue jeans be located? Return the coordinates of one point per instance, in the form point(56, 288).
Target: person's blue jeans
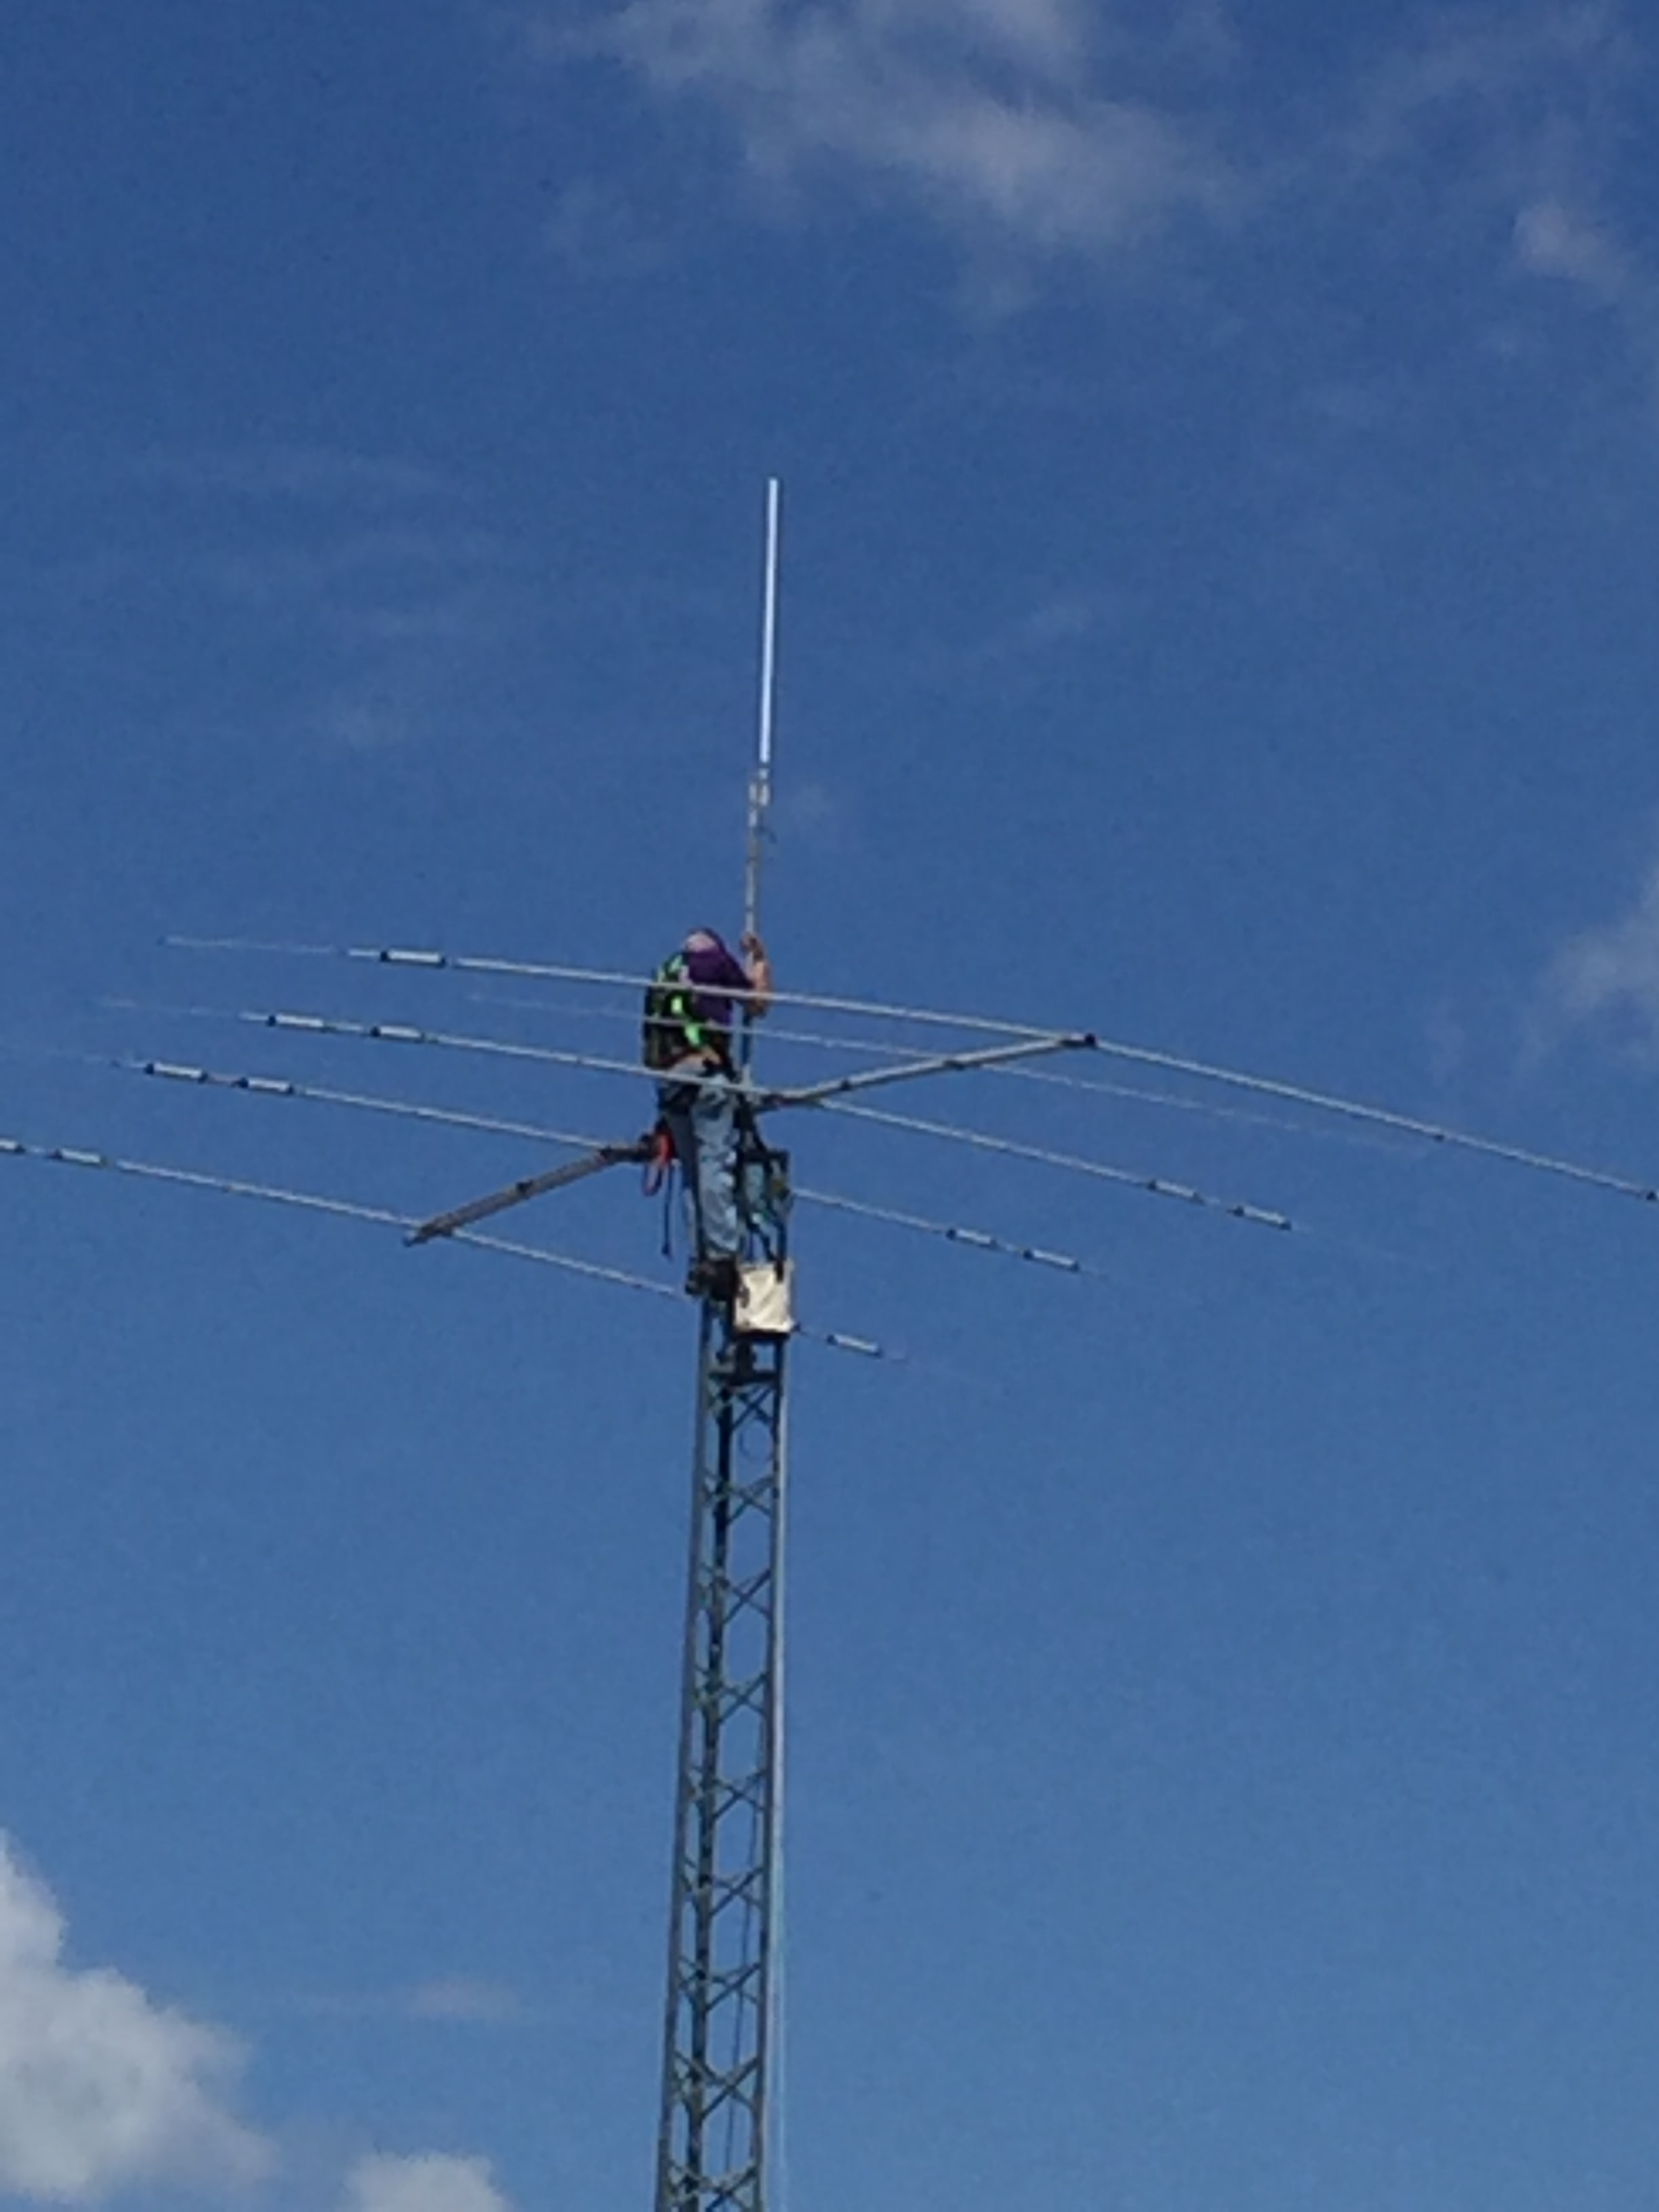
point(702, 1120)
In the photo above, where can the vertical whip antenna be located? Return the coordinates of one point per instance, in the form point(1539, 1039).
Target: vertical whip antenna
point(759, 783)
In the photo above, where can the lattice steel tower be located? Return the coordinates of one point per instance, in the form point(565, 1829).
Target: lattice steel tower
point(718, 2032)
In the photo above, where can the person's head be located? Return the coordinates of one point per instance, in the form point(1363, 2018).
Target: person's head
point(704, 940)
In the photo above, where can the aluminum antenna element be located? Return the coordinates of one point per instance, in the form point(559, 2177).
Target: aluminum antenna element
point(760, 784)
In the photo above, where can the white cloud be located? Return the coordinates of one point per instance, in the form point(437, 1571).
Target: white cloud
point(426, 2183)
point(991, 114)
point(1514, 121)
point(99, 2088)
point(1612, 974)
point(1055, 127)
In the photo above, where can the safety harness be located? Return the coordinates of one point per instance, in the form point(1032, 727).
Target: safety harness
point(672, 1028)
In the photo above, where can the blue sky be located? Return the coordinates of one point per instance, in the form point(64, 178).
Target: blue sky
point(1221, 462)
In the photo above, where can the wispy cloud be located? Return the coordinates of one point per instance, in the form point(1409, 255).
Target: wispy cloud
point(1027, 642)
point(1535, 78)
point(306, 474)
point(1568, 244)
point(1056, 128)
point(1552, 239)
point(467, 2000)
point(1513, 122)
point(368, 574)
point(1064, 618)
point(595, 232)
point(814, 817)
point(101, 2089)
point(391, 616)
point(426, 2183)
point(995, 116)
point(1610, 977)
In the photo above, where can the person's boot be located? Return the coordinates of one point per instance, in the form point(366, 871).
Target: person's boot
point(715, 1279)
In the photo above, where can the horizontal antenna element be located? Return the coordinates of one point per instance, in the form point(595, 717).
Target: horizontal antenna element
point(825, 1101)
point(281, 1086)
point(1158, 1186)
point(385, 1217)
point(1325, 1102)
point(391, 955)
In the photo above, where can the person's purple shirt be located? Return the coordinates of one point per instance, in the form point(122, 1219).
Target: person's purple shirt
point(709, 964)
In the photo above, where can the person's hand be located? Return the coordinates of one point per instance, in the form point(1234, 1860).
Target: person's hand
point(753, 945)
